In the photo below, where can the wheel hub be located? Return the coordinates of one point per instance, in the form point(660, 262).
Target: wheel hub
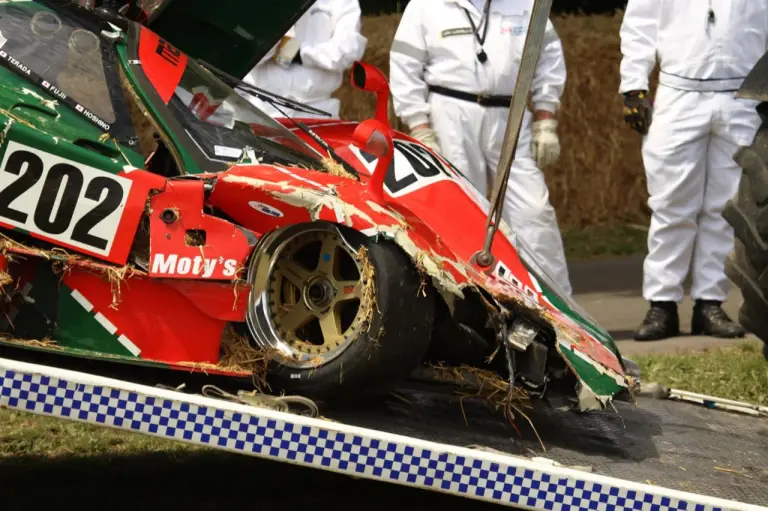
point(319, 293)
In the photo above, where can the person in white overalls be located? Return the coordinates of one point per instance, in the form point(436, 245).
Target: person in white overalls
point(308, 64)
point(705, 49)
point(453, 66)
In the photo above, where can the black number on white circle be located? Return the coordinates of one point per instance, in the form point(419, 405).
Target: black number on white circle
point(53, 219)
point(423, 164)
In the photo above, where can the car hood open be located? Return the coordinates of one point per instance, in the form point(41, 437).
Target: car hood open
point(232, 35)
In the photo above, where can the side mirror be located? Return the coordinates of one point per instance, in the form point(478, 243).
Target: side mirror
point(375, 138)
point(369, 78)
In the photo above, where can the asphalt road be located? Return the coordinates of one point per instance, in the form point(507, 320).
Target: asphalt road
point(610, 290)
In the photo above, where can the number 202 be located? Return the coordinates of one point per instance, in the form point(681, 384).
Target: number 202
point(56, 223)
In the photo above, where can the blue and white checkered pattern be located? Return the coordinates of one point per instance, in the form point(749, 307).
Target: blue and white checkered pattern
point(322, 445)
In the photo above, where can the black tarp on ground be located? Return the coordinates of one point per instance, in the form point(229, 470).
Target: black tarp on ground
point(677, 445)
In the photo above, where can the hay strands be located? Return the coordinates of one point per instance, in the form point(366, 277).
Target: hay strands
point(63, 261)
point(8, 245)
point(237, 356)
point(489, 386)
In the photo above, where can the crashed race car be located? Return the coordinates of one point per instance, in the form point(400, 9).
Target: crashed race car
point(151, 215)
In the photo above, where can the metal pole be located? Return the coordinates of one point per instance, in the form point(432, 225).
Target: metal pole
point(534, 40)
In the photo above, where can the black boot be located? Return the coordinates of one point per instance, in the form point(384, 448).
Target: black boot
point(710, 319)
point(660, 322)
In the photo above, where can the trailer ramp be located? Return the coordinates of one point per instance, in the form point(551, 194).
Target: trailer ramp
point(669, 443)
point(413, 449)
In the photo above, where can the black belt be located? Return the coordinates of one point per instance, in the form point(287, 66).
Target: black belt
point(480, 99)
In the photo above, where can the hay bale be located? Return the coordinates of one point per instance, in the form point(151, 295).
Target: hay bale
point(599, 179)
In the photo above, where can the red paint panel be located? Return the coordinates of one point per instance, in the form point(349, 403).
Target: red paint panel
point(143, 182)
point(219, 300)
point(243, 190)
point(163, 64)
point(226, 246)
point(164, 324)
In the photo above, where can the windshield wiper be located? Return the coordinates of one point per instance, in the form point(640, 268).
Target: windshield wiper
point(278, 101)
point(264, 95)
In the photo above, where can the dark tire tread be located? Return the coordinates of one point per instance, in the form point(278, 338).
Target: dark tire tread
point(747, 213)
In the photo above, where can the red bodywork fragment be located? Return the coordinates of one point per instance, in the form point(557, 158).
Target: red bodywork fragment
point(163, 64)
point(186, 243)
point(163, 323)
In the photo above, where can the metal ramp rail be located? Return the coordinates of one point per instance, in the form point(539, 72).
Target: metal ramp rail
point(336, 446)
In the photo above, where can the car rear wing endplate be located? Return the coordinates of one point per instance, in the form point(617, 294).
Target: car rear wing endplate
point(331, 446)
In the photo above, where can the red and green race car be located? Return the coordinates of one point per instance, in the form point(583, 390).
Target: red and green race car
point(150, 215)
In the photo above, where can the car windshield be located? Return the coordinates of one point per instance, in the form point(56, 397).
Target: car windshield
point(69, 58)
point(222, 124)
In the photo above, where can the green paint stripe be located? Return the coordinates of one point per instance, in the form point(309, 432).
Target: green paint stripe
point(602, 384)
point(597, 332)
point(78, 327)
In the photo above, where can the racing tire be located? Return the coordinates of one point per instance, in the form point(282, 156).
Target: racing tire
point(386, 347)
point(747, 213)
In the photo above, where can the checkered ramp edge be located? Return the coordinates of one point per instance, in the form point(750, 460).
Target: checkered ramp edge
point(323, 445)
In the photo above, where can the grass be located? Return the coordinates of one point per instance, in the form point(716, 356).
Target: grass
point(597, 242)
point(23, 434)
point(739, 372)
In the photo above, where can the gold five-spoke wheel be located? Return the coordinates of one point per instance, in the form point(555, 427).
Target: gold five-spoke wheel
point(315, 293)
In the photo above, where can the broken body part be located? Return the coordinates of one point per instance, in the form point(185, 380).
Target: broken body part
point(344, 202)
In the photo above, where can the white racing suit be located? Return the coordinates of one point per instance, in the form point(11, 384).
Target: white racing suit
point(329, 33)
point(697, 126)
point(434, 46)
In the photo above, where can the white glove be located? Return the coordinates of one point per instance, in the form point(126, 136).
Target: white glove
point(545, 145)
point(426, 136)
point(286, 51)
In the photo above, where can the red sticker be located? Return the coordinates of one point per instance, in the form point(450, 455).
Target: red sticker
point(162, 63)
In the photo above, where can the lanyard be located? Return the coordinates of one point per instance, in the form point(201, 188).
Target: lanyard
point(481, 55)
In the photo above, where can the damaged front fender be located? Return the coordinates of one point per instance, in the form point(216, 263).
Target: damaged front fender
point(263, 198)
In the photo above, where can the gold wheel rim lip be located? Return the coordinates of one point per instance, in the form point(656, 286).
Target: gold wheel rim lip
point(260, 316)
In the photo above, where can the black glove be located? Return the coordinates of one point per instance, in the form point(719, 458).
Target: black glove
point(637, 110)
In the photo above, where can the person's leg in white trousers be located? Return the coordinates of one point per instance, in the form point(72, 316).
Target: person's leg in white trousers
point(735, 123)
point(674, 155)
point(684, 194)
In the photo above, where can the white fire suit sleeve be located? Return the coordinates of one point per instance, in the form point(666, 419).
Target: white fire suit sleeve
point(638, 34)
point(407, 59)
point(345, 46)
point(549, 78)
